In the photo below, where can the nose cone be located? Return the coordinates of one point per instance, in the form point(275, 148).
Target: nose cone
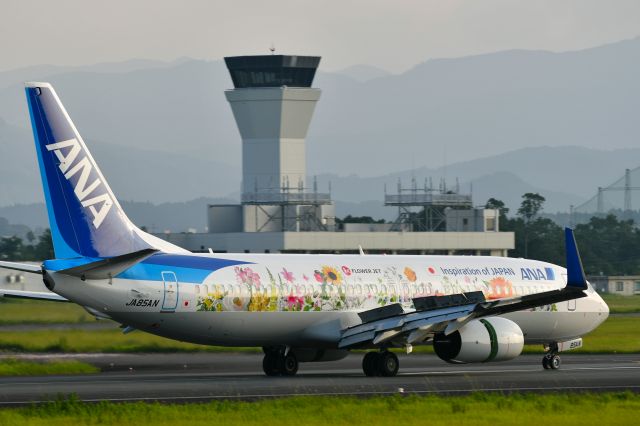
point(603, 308)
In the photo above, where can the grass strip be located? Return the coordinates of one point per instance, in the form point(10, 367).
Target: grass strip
point(106, 341)
point(14, 311)
point(15, 367)
point(475, 409)
point(622, 304)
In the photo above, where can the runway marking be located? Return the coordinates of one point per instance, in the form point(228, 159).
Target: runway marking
point(513, 370)
point(126, 378)
point(359, 393)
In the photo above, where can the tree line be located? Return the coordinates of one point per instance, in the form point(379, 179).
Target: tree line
point(34, 248)
point(608, 245)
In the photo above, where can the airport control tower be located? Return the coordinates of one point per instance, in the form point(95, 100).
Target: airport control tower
point(273, 102)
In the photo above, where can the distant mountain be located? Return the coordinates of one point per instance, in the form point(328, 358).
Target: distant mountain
point(363, 73)
point(164, 131)
point(443, 111)
point(133, 173)
point(175, 217)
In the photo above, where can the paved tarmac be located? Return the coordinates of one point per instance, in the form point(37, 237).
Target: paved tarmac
point(205, 376)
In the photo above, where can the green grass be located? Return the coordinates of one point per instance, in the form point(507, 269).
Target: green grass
point(622, 304)
point(13, 311)
point(617, 334)
point(15, 367)
point(81, 341)
point(476, 409)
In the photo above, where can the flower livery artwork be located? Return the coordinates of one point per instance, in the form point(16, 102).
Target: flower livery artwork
point(498, 288)
point(213, 300)
point(323, 288)
point(410, 274)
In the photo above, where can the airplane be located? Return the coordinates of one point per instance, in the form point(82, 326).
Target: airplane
point(297, 307)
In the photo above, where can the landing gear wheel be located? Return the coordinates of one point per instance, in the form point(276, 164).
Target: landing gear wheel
point(270, 364)
point(388, 364)
point(545, 362)
point(288, 364)
point(369, 363)
point(554, 362)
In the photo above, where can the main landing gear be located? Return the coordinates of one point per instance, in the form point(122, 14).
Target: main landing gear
point(279, 362)
point(551, 360)
point(383, 363)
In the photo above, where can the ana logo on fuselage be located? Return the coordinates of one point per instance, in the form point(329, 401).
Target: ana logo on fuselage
point(99, 205)
point(537, 274)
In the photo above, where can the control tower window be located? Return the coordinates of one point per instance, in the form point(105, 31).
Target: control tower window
point(272, 70)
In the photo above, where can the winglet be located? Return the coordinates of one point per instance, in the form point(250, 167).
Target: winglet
point(575, 271)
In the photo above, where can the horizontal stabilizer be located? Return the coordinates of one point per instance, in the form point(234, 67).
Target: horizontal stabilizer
point(34, 295)
point(24, 267)
point(110, 267)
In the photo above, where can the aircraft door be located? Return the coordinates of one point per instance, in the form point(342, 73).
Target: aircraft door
point(170, 301)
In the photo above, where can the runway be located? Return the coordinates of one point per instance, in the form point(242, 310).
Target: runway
point(201, 377)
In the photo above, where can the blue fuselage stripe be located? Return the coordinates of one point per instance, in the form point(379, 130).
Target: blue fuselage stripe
point(188, 269)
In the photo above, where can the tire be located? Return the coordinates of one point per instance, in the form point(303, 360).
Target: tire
point(554, 362)
point(545, 362)
point(270, 364)
point(369, 364)
point(388, 364)
point(288, 364)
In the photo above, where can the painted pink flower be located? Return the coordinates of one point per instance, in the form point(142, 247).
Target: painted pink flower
point(294, 302)
point(241, 275)
point(318, 276)
point(253, 277)
point(288, 276)
point(305, 277)
point(346, 270)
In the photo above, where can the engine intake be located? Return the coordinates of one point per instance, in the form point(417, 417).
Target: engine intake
point(483, 340)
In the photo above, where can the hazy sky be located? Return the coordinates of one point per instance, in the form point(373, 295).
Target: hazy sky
point(392, 34)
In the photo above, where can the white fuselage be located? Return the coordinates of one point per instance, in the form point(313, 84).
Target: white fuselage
point(307, 300)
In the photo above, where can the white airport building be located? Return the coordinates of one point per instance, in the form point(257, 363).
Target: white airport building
point(280, 212)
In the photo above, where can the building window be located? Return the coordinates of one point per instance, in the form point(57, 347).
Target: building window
point(637, 287)
point(619, 286)
point(491, 224)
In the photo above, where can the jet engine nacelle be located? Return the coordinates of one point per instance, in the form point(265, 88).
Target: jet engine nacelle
point(483, 340)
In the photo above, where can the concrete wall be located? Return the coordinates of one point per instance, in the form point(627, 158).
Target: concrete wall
point(225, 218)
point(486, 243)
point(472, 220)
point(624, 285)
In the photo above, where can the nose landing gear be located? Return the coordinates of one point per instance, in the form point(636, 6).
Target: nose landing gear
point(551, 360)
point(383, 364)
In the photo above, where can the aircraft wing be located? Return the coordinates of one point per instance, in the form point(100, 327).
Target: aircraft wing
point(24, 267)
point(35, 295)
point(435, 314)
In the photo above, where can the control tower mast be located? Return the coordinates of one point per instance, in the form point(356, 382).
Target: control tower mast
point(273, 102)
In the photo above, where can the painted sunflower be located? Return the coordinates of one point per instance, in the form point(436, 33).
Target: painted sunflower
point(332, 275)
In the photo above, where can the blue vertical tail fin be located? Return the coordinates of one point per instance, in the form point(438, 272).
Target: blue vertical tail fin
point(575, 271)
point(84, 215)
